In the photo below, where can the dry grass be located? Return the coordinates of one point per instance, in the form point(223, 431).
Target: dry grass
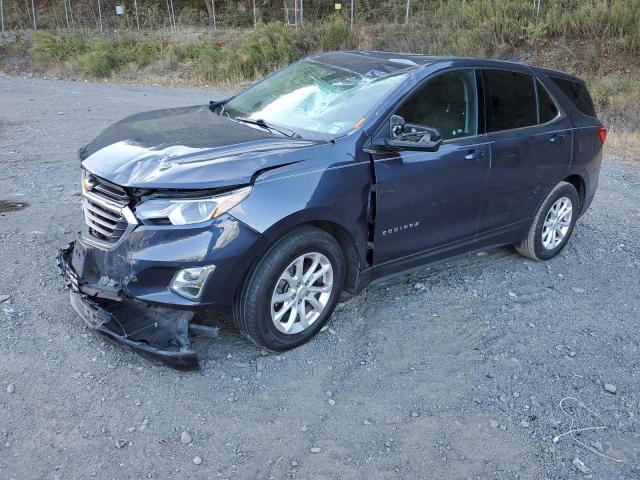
point(625, 146)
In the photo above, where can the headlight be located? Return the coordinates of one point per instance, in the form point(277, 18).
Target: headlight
point(187, 211)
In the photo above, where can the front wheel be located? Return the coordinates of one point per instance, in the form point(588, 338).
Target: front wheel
point(553, 224)
point(292, 290)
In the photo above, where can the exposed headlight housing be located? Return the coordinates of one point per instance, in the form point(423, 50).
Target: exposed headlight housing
point(185, 211)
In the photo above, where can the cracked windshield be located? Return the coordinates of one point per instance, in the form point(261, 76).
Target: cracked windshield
point(313, 97)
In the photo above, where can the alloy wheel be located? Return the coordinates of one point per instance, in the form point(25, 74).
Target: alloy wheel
point(301, 293)
point(557, 223)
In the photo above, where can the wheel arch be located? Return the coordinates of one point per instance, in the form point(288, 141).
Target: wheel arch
point(579, 184)
point(353, 256)
point(348, 245)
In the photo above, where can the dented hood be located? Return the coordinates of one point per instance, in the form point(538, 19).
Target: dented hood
point(188, 148)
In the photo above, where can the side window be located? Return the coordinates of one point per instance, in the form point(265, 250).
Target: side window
point(511, 100)
point(446, 102)
point(546, 106)
point(577, 93)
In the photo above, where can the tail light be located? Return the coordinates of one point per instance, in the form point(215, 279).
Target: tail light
point(602, 133)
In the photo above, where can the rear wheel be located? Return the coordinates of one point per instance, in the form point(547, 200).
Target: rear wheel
point(552, 225)
point(292, 290)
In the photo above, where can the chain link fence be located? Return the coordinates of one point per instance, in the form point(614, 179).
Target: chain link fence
point(109, 15)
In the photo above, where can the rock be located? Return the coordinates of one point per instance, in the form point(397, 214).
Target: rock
point(315, 450)
point(419, 286)
point(304, 428)
point(512, 294)
point(197, 460)
point(597, 445)
point(610, 388)
point(329, 393)
point(524, 424)
point(578, 289)
point(366, 422)
point(579, 464)
point(264, 352)
point(415, 414)
point(4, 298)
point(137, 402)
point(294, 463)
point(186, 438)
point(132, 429)
point(332, 402)
point(494, 423)
point(122, 443)
point(11, 388)
point(477, 400)
point(503, 428)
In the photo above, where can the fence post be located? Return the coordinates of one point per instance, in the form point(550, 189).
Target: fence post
point(213, 9)
point(2, 15)
point(406, 15)
point(33, 7)
point(173, 16)
point(255, 21)
point(66, 13)
point(351, 15)
point(169, 13)
point(135, 6)
point(100, 16)
point(301, 12)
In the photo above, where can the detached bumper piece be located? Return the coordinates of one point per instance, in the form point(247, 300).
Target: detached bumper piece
point(157, 333)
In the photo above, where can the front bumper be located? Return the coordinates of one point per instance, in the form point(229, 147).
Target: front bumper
point(123, 292)
point(159, 334)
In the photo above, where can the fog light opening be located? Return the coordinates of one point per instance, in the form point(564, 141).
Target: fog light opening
point(189, 282)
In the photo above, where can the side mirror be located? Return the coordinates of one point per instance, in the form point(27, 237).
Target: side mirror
point(404, 136)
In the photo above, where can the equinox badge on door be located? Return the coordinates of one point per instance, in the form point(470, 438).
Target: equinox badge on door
point(401, 228)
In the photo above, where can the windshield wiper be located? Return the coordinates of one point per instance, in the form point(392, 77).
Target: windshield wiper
point(261, 123)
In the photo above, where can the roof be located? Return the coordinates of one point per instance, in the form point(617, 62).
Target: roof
point(376, 64)
point(373, 64)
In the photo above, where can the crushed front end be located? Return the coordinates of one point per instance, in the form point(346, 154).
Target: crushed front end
point(130, 280)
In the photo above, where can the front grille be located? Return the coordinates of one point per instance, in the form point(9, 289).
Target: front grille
point(102, 204)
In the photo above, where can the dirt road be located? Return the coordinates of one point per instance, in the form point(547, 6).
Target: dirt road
point(455, 372)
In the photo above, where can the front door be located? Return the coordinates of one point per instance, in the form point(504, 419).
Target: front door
point(429, 202)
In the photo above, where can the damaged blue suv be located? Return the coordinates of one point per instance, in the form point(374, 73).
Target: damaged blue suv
point(339, 171)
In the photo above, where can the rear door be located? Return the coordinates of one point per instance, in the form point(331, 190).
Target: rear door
point(428, 200)
point(531, 147)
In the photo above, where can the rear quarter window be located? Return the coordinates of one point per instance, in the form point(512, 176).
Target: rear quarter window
point(577, 93)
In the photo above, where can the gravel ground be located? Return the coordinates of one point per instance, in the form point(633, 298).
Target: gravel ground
point(453, 372)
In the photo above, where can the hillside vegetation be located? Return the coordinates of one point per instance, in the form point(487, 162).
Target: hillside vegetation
point(597, 39)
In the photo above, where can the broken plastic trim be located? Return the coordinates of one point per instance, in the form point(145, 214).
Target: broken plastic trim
point(158, 334)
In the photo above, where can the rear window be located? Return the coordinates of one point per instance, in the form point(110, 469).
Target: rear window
point(577, 93)
point(511, 99)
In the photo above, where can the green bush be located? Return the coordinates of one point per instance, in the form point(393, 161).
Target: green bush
point(48, 48)
point(260, 51)
point(332, 34)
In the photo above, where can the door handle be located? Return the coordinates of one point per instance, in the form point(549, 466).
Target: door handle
point(557, 138)
point(473, 155)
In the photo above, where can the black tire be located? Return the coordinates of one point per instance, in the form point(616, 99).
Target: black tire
point(532, 246)
point(252, 308)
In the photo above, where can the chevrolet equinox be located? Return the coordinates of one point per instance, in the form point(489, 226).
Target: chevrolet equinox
point(339, 171)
